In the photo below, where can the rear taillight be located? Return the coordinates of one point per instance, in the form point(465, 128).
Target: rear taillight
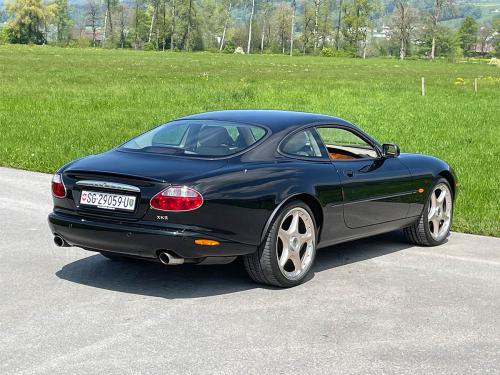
point(58, 188)
point(177, 198)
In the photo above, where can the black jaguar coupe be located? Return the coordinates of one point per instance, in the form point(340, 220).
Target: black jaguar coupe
point(271, 187)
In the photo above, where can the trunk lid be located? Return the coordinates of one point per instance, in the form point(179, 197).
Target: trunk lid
point(150, 173)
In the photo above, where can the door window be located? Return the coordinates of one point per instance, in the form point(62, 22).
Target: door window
point(343, 144)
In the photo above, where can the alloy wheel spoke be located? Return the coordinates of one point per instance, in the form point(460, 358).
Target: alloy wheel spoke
point(284, 236)
point(284, 256)
point(433, 200)
point(294, 225)
point(304, 238)
point(432, 213)
point(297, 262)
point(440, 198)
point(435, 227)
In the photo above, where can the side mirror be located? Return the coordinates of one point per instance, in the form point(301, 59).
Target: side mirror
point(390, 150)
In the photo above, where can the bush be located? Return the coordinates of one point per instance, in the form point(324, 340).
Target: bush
point(327, 52)
point(148, 46)
point(4, 37)
point(330, 52)
point(228, 48)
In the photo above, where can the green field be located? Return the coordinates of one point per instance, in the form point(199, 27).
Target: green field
point(59, 104)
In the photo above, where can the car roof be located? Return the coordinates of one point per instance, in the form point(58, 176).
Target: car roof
point(273, 119)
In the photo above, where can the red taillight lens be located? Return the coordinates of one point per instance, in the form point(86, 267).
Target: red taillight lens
point(177, 198)
point(58, 188)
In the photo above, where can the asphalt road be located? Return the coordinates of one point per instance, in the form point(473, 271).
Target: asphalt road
point(374, 306)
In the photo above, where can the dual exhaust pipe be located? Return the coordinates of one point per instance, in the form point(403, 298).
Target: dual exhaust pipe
point(60, 242)
point(169, 259)
point(164, 257)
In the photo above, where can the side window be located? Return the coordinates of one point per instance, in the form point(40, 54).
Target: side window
point(302, 144)
point(343, 144)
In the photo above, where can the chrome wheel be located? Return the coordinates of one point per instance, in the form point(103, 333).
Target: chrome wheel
point(296, 243)
point(439, 214)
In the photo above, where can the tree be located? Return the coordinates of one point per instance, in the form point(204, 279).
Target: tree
point(356, 21)
point(317, 4)
point(486, 34)
point(59, 11)
point(93, 14)
point(435, 14)
point(292, 29)
point(446, 43)
point(468, 34)
point(108, 22)
point(403, 18)
point(325, 26)
point(123, 13)
point(27, 21)
point(282, 18)
point(337, 35)
point(265, 10)
point(250, 26)
point(496, 27)
point(227, 18)
point(307, 26)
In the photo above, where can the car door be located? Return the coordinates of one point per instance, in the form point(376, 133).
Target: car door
point(375, 189)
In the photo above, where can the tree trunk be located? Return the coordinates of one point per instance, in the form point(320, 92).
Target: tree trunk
point(263, 35)
point(433, 47)
point(110, 21)
point(435, 18)
point(153, 18)
point(172, 37)
point(364, 47)
point(316, 16)
point(337, 36)
point(164, 25)
point(250, 27)
point(223, 39)
point(402, 49)
point(187, 35)
point(105, 28)
point(293, 27)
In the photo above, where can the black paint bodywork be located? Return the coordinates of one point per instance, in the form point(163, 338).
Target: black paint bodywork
point(242, 193)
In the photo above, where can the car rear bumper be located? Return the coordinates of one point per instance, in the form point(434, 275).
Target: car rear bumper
point(139, 239)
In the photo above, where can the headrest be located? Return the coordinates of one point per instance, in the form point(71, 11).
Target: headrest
point(213, 136)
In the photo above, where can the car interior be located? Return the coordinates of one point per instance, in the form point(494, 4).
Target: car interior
point(204, 139)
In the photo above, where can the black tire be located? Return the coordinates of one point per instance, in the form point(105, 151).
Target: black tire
point(419, 233)
point(116, 257)
point(262, 266)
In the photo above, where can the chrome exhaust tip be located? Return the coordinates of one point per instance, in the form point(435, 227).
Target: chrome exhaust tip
point(59, 242)
point(169, 259)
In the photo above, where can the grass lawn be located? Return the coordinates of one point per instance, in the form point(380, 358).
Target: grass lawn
point(60, 104)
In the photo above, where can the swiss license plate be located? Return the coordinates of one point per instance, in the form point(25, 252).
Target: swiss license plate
point(107, 201)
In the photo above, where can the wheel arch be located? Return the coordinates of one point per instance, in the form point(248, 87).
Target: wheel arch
point(451, 180)
point(308, 199)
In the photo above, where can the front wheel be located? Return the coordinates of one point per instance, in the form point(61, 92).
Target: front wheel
point(433, 226)
point(287, 254)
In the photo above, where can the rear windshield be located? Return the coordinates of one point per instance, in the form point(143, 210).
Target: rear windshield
point(197, 138)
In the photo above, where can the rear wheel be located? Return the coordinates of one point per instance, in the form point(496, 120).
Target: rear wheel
point(287, 254)
point(433, 227)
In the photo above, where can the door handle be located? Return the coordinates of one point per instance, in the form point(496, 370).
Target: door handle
point(349, 173)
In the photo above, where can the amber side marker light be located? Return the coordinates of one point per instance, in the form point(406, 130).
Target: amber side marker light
point(207, 242)
point(420, 190)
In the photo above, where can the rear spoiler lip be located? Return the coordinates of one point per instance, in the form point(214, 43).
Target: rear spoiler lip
point(105, 173)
